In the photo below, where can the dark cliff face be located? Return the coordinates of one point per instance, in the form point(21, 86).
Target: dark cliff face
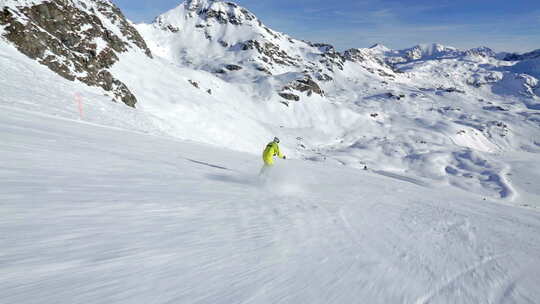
point(70, 37)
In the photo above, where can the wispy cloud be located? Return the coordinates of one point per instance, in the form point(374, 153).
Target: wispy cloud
point(383, 13)
point(313, 10)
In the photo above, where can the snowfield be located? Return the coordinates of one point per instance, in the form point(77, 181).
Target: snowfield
point(94, 214)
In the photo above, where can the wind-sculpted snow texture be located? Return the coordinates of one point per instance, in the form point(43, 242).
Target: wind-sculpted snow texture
point(433, 113)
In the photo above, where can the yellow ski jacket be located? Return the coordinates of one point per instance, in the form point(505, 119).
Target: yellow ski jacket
point(271, 150)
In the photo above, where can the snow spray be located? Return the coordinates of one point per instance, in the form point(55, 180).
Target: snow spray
point(78, 101)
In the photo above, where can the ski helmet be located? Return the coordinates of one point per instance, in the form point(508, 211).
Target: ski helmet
point(276, 140)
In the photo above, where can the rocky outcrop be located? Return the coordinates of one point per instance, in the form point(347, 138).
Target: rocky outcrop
point(305, 85)
point(233, 67)
point(194, 83)
point(330, 57)
point(355, 55)
point(371, 63)
point(75, 39)
point(270, 53)
point(289, 96)
point(481, 51)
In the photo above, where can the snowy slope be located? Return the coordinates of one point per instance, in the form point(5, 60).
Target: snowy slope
point(530, 67)
point(94, 214)
point(433, 113)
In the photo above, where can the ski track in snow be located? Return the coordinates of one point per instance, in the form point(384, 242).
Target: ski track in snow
point(101, 215)
point(402, 178)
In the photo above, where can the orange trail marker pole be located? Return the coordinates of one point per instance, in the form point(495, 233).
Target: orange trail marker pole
point(78, 100)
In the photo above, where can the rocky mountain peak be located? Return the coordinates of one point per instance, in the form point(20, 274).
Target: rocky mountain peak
point(200, 7)
point(194, 5)
point(377, 47)
point(481, 51)
point(206, 11)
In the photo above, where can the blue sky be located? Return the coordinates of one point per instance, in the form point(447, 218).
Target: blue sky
point(501, 25)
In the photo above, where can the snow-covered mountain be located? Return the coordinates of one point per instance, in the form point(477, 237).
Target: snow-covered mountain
point(211, 71)
point(433, 52)
point(232, 43)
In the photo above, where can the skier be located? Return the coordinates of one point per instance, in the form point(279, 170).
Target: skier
point(271, 150)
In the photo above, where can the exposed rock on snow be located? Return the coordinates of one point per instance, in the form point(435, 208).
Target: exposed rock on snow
point(305, 85)
point(372, 60)
point(272, 54)
point(233, 67)
point(289, 96)
point(194, 83)
point(76, 39)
